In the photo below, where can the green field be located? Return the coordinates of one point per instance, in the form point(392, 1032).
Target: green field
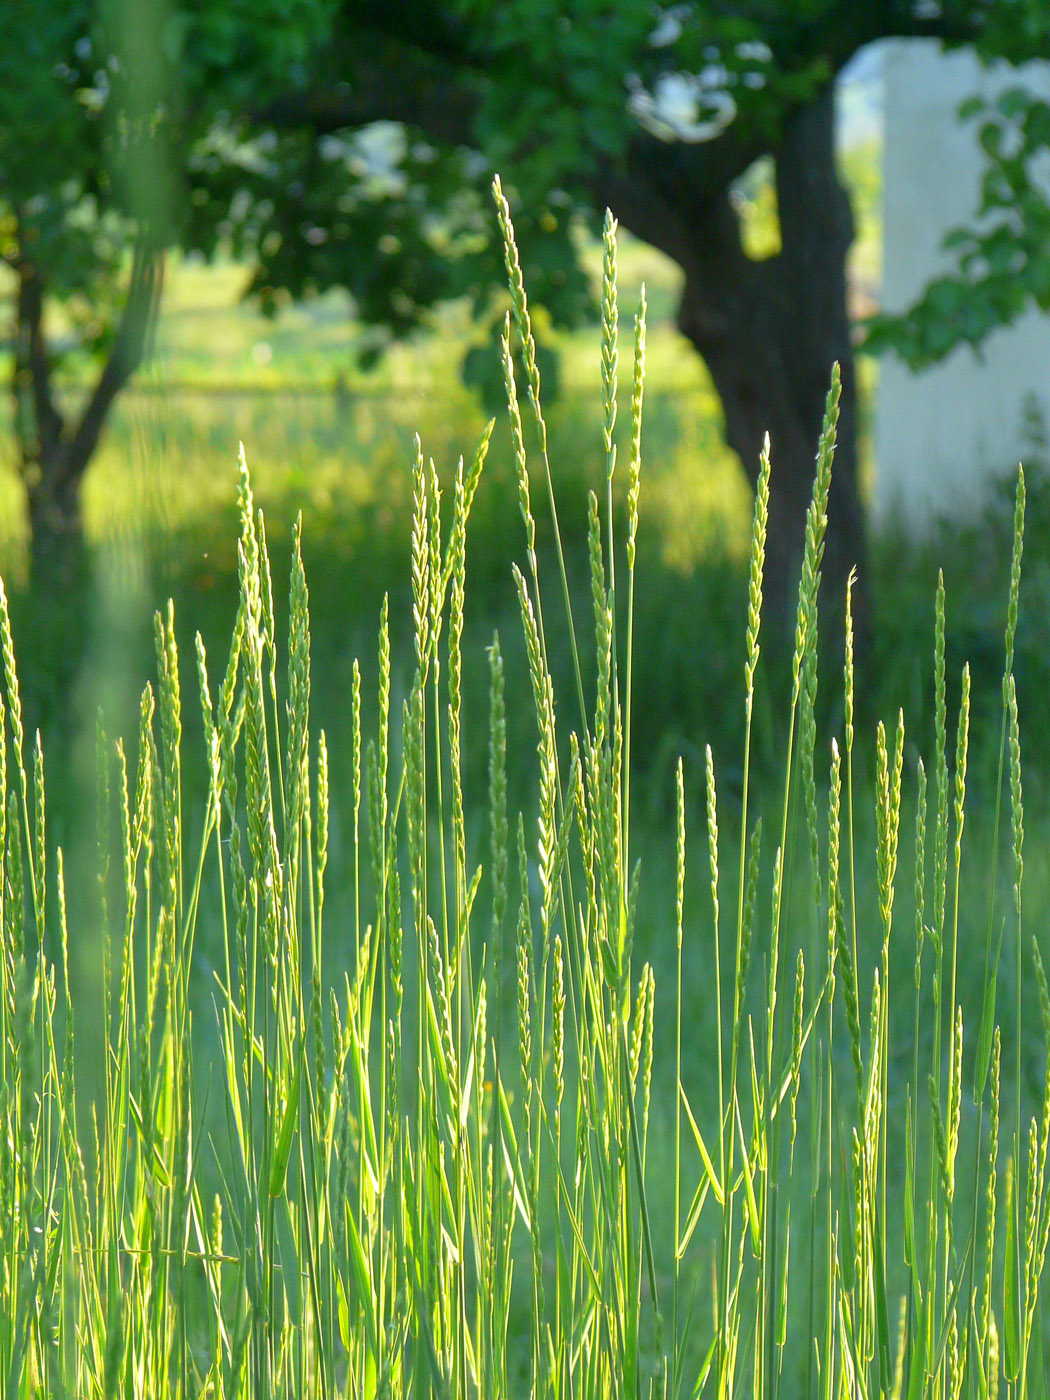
point(352, 1180)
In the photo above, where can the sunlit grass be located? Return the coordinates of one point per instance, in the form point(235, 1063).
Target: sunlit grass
point(763, 1114)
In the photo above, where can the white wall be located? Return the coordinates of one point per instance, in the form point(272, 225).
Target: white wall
point(940, 433)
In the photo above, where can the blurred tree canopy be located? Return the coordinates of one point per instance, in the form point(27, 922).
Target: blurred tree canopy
point(337, 142)
point(102, 103)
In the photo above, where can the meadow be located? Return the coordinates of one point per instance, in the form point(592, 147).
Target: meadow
point(328, 1073)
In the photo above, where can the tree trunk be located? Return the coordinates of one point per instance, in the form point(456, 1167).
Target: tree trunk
point(769, 333)
point(54, 458)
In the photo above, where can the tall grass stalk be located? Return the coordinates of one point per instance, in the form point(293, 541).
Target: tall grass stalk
point(403, 1143)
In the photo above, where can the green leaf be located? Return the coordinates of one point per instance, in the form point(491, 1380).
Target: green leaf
point(362, 1278)
point(709, 1169)
point(749, 1188)
point(1011, 1301)
point(283, 1147)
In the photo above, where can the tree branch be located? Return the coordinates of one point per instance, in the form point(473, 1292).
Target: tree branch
point(39, 421)
point(137, 327)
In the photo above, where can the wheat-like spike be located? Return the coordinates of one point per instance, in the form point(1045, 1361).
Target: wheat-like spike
point(940, 1140)
point(1015, 572)
point(457, 551)
point(807, 756)
point(775, 898)
point(413, 741)
point(268, 627)
point(520, 461)
point(712, 831)
point(585, 829)
point(848, 669)
point(872, 1098)
point(602, 620)
point(960, 763)
point(543, 698)
point(436, 592)
point(634, 471)
point(955, 1091)
point(920, 870)
point(14, 696)
point(211, 733)
point(517, 292)
point(849, 990)
point(882, 809)
point(835, 934)
point(478, 461)
point(436, 963)
point(170, 701)
point(39, 866)
point(750, 897)
point(610, 332)
point(298, 702)
point(322, 818)
point(816, 525)
point(940, 854)
point(384, 713)
point(956, 1358)
point(421, 577)
point(1016, 803)
point(558, 1023)
point(647, 1052)
point(1031, 1211)
point(634, 1059)
point(756, 566)
point(248, 549)
point(986, 1319)
point(679, 851)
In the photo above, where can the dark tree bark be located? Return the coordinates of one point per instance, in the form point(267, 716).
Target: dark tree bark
point(55, 453)
point(54, 456)
point(769, 332)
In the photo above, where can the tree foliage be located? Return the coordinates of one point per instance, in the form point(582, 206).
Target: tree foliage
point(341, 143)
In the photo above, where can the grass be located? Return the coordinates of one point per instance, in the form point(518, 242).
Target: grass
point(403, 1086)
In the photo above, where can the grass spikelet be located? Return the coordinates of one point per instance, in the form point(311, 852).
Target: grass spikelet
point(816, 525)
point(920, 870)
point(756, 564)
point(520, 462)
point(610, 331)
point(848, 670)
point(420, 561)
point(39, 863)
point(634, 472)
point(602, 621)
point(558, 1024)
point(1016, 802)
point(940, 851)
point(517, 291)
point(836, 932)
point(14, 695)
point(986, 1319)
point(1015, 572)
point(960, 763)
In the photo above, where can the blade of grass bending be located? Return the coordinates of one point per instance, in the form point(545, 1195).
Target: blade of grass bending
point(1011, 1295)
point(283, 1145)
point(709, 1169)
point(749, 1187)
